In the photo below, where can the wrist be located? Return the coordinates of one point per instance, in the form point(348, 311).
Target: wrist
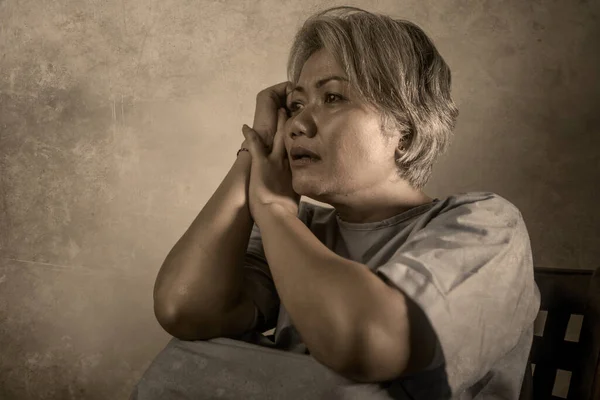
point(244, 158)
point(242, 149)
point(275, 210)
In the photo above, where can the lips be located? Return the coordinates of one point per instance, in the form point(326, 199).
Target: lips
point(298, 152)
point(304, 162)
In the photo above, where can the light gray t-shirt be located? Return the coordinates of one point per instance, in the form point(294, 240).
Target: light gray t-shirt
point(465, 260)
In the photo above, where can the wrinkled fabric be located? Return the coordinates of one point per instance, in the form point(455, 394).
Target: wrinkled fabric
point(229, 369)
point(465, 261)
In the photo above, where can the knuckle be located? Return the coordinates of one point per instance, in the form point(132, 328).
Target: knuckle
point(275, 91)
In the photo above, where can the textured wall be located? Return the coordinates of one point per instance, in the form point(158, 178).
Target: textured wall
point(118, 120)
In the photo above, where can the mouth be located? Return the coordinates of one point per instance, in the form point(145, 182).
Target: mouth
point(302, 156)
point(299, 161)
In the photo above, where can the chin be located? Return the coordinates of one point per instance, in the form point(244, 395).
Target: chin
point(302, 188)
point(309, 190)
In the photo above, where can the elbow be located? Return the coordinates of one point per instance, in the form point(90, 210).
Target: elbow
point(168, 319)
point(372, 371)
point(380, 354)
point(186, 335)
point(174, 322)
point(189, 319)
point(166, 313)
point(185, 330)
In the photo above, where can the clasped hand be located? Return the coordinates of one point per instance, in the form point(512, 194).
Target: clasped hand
point(270, 175)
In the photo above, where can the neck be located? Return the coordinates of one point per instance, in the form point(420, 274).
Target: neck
point(377, 205)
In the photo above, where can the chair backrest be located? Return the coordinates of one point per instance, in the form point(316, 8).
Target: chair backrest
point(566, 343)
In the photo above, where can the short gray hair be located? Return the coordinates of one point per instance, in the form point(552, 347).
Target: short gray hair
point(396, 69)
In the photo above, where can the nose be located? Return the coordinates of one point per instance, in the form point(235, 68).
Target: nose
point(303, 123)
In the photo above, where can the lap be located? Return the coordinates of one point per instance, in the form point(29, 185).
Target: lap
point(231, 369)
point(240, 369)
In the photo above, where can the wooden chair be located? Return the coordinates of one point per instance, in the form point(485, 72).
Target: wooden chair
point(564, 358)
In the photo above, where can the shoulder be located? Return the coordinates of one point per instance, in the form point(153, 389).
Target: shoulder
point(488, 201)
point(486, 208)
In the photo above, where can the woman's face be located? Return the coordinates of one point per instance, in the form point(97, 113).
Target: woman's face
point(356, 160)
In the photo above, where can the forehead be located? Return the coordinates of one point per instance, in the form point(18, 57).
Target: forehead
point(319, 65)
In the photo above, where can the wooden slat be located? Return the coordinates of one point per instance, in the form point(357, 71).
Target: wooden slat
point(565, 292)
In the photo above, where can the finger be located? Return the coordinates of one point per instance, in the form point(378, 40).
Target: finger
point(288, 89)
point(281, 90)
point(279, 139)
point(255, 143)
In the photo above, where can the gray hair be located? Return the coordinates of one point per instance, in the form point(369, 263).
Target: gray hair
point(396, 69)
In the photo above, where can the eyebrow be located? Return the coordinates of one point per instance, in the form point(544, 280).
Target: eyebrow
point(319, 83)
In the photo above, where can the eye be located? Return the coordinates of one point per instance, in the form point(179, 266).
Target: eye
point(292, 106)
point(334, 95)
point(328, 96)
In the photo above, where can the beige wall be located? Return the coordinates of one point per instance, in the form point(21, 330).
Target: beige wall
point(119, 119)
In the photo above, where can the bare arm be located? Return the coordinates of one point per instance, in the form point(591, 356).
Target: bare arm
point(198, 291)
point(201, 291)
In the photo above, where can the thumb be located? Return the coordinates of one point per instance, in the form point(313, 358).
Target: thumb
point(255, 143)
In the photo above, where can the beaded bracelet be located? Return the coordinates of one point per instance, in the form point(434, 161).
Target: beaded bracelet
point(242, 149)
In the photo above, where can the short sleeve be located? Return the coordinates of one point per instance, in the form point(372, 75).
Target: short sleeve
point(470, 270)
point(258, 282)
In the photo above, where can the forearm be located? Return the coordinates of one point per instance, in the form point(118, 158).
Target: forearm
point(202, 274)
point(327, 296)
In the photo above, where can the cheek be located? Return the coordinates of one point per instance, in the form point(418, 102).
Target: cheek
point(349, 161)
point(353, 146)
point(355, 151)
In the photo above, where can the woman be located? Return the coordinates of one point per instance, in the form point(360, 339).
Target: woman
point(410, 296)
